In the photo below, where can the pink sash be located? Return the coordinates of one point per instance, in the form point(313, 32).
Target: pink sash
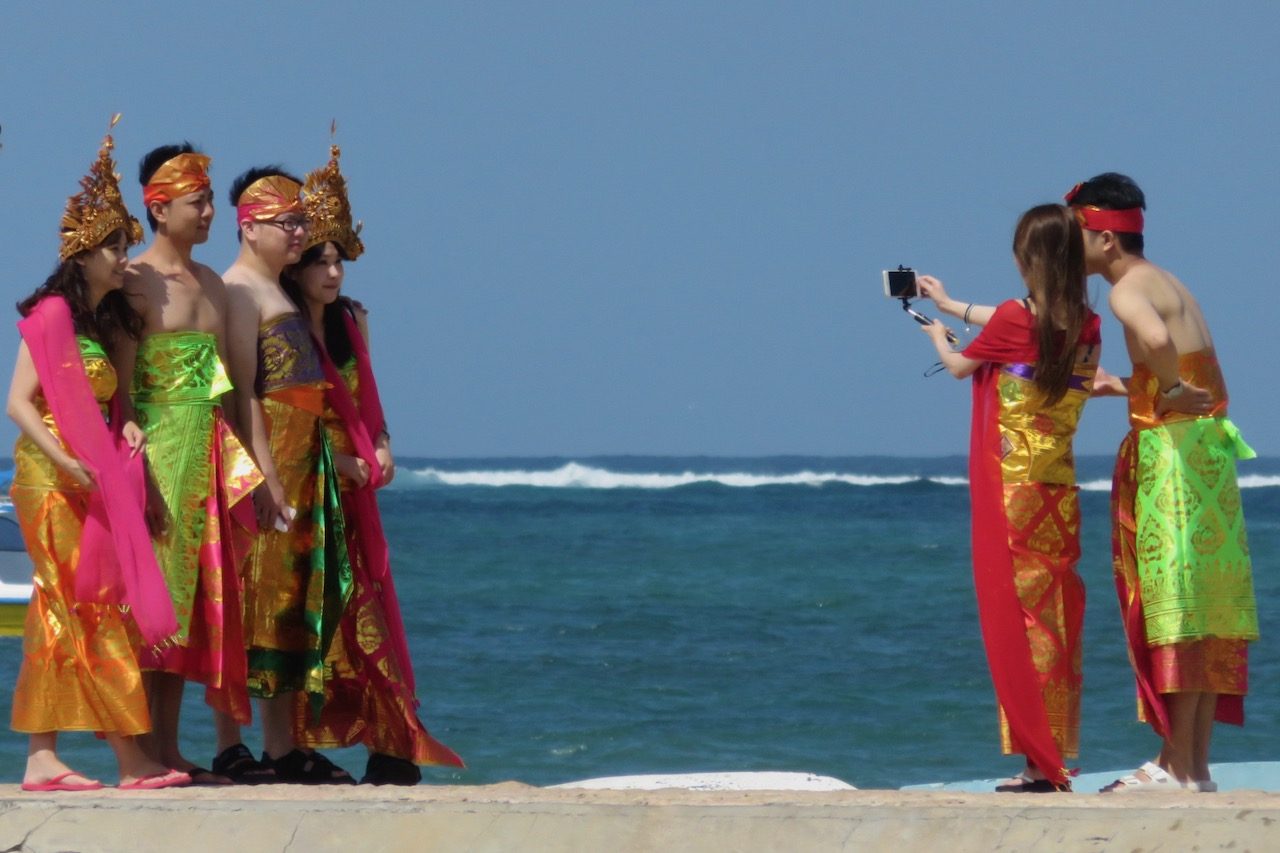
point(117, 564)
point(363, 422)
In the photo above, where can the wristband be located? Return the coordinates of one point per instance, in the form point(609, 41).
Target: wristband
point(1175, 391)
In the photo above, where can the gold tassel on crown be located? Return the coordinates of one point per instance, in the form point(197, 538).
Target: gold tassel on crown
point(328, 210)
point(98, 209)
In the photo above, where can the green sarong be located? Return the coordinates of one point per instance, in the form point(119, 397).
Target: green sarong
point(1192, 552)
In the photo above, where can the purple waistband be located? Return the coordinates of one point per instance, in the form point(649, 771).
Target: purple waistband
point(1028, 371)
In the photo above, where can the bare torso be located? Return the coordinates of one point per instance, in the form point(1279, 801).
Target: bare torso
point(1175, 305)
point(176, 296)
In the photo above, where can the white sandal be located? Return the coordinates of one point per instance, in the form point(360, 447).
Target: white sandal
point(1157, 780)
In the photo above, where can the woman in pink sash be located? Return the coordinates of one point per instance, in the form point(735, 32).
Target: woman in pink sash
point(1033, 366)
point(78, 493)
point(371, 698)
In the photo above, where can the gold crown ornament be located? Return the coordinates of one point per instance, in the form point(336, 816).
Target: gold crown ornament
point(98, 209)
point(328, 209)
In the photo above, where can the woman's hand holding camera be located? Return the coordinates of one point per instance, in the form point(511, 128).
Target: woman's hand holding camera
point(931, 288)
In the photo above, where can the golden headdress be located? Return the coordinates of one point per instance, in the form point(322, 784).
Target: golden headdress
point(98, 209)
point(329, 211)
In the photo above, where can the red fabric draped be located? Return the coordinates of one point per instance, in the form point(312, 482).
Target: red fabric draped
point(364, 421)
point(117, 563)
point(1010, 337)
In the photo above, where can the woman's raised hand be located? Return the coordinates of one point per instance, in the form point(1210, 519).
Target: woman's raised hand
point(931, 288)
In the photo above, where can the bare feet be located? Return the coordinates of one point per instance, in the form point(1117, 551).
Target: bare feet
point(134, 764)
point(43, 766)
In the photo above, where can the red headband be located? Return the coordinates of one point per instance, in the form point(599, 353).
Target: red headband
point(1127, 221)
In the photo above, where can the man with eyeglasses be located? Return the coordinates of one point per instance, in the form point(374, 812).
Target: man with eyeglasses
point(297, 578)
point(199, 472)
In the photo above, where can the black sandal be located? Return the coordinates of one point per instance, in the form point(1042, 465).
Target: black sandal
point(384, 769)
point(238, 764)
point(1023, 784)
point(302, 768)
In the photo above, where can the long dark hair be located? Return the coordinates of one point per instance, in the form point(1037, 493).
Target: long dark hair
point(114, 315)
point(336, 340)
point(1049, 248)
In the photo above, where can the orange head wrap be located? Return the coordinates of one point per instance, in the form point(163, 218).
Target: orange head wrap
point(182, 175)
point(268, 198)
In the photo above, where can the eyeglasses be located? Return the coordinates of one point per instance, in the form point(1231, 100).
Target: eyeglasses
point(289, 224)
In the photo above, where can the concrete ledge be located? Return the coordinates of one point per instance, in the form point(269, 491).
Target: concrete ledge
point(511, 816)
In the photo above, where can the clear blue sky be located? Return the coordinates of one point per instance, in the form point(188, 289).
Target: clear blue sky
point(658, 227)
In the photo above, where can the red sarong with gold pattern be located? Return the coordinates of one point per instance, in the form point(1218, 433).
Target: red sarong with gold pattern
point(1026, 528)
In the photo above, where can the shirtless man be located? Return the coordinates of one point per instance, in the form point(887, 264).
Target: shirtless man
point(297, 578)
point(1181, 559)
point(176, 379)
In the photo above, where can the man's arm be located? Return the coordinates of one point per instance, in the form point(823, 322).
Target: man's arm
point(242, 363)
point(1148, 331)
point(216, 291)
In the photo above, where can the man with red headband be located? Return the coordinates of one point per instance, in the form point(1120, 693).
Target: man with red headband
point(297, 579)
point(1179, 550)
point(198, 468)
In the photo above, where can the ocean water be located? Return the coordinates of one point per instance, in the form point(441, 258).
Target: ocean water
point(572, 618)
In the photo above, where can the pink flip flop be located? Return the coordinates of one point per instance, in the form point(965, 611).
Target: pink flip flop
point(172, 779)
point(56, 784)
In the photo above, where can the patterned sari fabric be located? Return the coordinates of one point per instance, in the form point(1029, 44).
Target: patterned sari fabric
point(370, 698)
point(296, 582)
point(204, 476)
point(1026, 537)
point(1180, 553)
point(79, 672)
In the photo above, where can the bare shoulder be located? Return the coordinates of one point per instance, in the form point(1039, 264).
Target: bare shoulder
point(241, 294)
point(211, 283)
point(140, 274)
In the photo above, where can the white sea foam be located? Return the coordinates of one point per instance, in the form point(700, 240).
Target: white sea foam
point(1247, 481)
point(577, 475)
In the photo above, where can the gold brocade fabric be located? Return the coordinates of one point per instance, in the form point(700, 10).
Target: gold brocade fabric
point(1043, 514)
point(1044, 540)
point(278, 568)
point(1035, 440)
point(79, 671)
point(1199, 368)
